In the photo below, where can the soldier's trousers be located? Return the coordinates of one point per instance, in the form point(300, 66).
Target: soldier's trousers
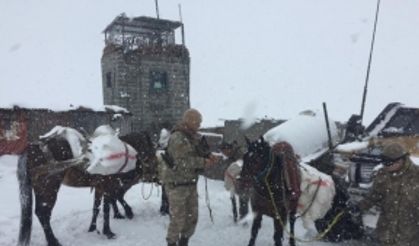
point(183, 206)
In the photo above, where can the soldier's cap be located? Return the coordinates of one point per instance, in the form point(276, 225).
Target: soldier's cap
point(393, 152)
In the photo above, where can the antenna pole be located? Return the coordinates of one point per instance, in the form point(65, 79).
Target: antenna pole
point(364, 96)
point(157, 8)
point(182, 27)
point(329, 135)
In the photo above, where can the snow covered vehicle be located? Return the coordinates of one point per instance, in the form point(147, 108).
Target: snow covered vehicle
point(358, 160)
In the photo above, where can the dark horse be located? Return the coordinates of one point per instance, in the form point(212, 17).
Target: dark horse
point(264, 171)
point(45, 185)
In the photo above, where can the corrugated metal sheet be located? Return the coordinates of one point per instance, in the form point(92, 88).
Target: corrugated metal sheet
point(13, 133)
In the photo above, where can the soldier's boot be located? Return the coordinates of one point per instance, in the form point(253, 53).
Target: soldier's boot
point(171, 244)
point(183, 241)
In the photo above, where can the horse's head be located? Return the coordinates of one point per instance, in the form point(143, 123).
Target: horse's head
point(256, 159)
point(141, 142)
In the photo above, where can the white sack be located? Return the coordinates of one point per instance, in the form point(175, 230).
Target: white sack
point(231, 175)
point(108, 155)
point(311, 180)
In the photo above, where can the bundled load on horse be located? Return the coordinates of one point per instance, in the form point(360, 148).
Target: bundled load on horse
point(285, 185)
point(107, 154)
point(307, 135)
point(63, 157)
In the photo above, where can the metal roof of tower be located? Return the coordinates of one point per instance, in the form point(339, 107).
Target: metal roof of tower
point(141, 22)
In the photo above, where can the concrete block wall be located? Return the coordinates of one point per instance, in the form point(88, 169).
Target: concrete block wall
point(131, 85)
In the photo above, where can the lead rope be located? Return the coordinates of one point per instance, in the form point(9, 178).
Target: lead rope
point(150, 193)
point(312, 199)
point(316, 238)
point(207, 200)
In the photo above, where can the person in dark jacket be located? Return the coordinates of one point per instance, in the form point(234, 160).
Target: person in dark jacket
point(396, 192)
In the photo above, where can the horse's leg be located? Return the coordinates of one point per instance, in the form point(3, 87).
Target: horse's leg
point(164, 208)
point(234, 206)
point(257, 221)
point(96, 203)
point(292, 222)
point(106, 228)
point(44, 203)
point(126, 206)
point(244, 205)
point(278, 232)
point(116, 213)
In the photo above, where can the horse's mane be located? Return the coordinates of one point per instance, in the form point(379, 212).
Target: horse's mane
point(138, 140)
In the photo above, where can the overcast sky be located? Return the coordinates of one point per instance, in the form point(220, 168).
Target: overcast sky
point(248, 57)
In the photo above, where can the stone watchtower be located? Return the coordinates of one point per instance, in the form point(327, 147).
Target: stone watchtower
point(145, 71)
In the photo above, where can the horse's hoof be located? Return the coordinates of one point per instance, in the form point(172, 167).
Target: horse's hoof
point(92, 228)
point(164, 212)
point(54, 243)
point(129, 214)
point(110, 235)
point(119, 216)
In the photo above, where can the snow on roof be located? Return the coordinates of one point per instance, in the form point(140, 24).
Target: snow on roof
point(210, 134)
point(377, 125)
point(307, 133)
point(103, 108)
point(352, 147)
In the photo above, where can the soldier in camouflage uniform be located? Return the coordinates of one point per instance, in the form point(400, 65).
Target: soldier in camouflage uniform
point(396, 192)
point(181, 179)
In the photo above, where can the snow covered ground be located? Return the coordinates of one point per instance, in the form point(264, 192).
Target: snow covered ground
point(72, 214)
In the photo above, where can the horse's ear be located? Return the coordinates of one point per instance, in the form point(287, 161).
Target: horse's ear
point(148, 138)
point(261, 139)
point(247, 141)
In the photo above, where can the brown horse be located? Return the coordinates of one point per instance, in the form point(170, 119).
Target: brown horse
point(45, 185)
point(264, 172)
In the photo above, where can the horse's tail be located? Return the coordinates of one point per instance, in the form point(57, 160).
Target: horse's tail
point(25, 187)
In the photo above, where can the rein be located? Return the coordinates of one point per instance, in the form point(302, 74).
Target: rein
point(207, 200)
point(319, 182)
point(149, 194)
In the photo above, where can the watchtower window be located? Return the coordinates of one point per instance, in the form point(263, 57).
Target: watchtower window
point(158, 81)
point(109, 79)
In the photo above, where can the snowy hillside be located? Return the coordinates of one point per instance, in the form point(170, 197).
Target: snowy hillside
point(71, 217)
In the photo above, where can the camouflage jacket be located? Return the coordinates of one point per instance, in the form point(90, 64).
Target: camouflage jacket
point(187, 163)
point(397, 196)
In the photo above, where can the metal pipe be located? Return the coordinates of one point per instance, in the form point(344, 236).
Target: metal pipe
point(329, 135)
